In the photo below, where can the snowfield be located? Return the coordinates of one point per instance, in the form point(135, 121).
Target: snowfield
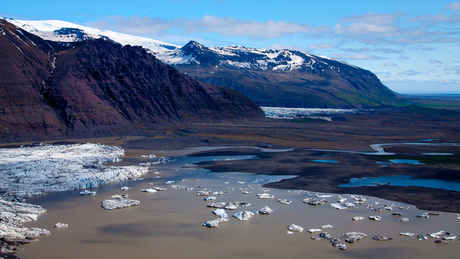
point(47, 29)
point(32, 171)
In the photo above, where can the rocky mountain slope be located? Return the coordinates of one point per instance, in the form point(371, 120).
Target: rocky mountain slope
point(97, 87)
point(283, 78)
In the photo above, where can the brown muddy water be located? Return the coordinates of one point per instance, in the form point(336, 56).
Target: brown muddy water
point(169, 224)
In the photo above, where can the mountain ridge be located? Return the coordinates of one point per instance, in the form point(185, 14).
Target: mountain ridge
point(98, 87)
point(285, 78)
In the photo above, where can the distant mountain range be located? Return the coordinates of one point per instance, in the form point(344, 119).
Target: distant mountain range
point(278, 78)
point(92, 86)
point(282, 78)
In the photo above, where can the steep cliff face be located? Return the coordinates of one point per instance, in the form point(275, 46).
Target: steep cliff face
point(98, 87)
point(284, 78)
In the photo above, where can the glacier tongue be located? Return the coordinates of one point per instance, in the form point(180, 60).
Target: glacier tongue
point(32, 171)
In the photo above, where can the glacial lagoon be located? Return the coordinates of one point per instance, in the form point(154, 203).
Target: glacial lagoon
point(169, 224)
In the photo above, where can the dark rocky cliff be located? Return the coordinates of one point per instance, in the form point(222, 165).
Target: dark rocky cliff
point(51, 90)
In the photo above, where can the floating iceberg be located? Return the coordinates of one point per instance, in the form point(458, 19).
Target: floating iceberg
point(315, 201)
point(243, 215)
point(12, 215)
point(351, 237)
point(295, 228)
point(149, 190)
point(265, 196)
point(327, 226)
point(381, 238)
point(86, 192)
point(407, 234)
point(203, 193)
point(61, 225)
point(284, 201)
point(334, 241)
point(265, 210)
point(119, 202)
point(377, 218)
point(223, 217)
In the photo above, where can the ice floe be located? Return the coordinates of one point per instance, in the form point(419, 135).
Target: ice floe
point(149, 190)
point(315, 201)
point(351, 237)
point(334, 241)
point(407, 234)
point(295, 228)
point(119, 202)
point(381, 238)
point(12, 215)
point(203, 193)
point(265, 196)
point(86, 192)
point(284, 201)
point(265, 210)
point(376, 218)
point(61, 225)
point(243, 215)
point(222, 218)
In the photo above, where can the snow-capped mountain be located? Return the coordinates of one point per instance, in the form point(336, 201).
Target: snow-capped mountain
point(62, 31)
point(98, 87)
point(239, 57)
point(285, 78)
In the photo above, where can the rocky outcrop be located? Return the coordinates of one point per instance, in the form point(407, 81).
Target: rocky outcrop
point(98, 87)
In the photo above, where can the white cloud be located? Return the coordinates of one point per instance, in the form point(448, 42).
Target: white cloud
point(403, 57)
point(434, 61)
point(454, 6)
point(368, 28)
point(410, 73)
point(227, 26)
point(389, 64)
point(372, 18)
point(456, 69)
point(356, 56)
point(322, 46)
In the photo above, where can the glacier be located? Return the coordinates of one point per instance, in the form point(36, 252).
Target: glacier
point(298, 113)
point(36, 170)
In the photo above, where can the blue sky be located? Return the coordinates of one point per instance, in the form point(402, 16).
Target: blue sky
point(412, 46)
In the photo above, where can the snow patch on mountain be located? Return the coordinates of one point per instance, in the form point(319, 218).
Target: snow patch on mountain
point(62, 31)
point(243, 57)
